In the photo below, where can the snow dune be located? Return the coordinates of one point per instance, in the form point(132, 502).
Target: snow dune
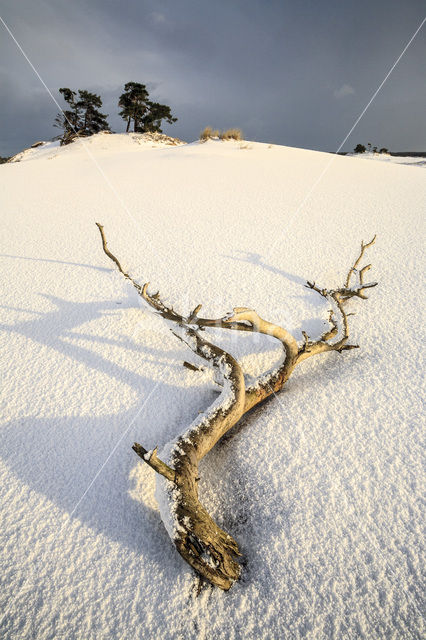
point(322, 487)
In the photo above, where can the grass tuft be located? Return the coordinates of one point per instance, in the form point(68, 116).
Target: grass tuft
point(230, 134)
point(208, 133)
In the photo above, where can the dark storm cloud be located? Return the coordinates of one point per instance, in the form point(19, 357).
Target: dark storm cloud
point(295, 73)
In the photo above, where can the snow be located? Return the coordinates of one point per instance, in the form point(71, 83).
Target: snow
point(102, 142)
point(416, 161)
point(321, 487)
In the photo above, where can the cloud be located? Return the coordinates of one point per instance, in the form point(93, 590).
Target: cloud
point(157, 17)
point(269, 68)
point(345, 90)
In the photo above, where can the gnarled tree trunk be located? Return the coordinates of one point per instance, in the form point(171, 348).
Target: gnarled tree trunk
point(209, 550)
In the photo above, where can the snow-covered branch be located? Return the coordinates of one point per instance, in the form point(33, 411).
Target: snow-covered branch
point(199, 540)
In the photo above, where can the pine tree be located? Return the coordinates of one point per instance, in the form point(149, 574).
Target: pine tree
point(69, 119)
point(360, 148)
point(157, 112)
point(93, 120)
point(146, 115)
point(83, 118)
point(133, 103)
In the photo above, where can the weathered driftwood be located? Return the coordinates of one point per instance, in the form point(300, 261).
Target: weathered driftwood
point(199, 540)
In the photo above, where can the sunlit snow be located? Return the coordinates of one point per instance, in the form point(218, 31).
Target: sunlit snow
point(321, 487)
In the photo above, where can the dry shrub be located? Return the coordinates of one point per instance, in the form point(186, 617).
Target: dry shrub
point(231, 134)
point(208, 133)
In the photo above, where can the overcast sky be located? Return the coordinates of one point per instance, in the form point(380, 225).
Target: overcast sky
point(293, 72)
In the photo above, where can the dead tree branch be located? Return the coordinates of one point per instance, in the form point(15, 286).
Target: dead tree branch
point(199, 540)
